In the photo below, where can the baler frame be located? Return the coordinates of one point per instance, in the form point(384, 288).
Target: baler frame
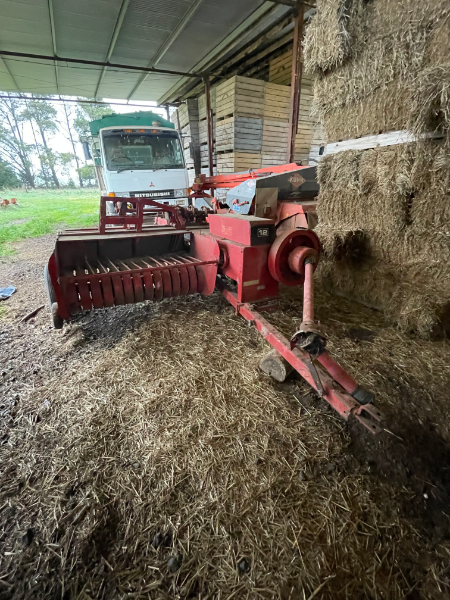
point(152, 262)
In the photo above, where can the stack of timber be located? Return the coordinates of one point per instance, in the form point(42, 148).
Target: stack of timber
point(280, 69)
point(203, 130)
point(186, 116)
point(202, 103)
point(234, 162)
point(239, 111)
point(204, 156)
point(306, 123)
point(239, 133)
point(277, 100)
point(240, 96)
point(309, 138)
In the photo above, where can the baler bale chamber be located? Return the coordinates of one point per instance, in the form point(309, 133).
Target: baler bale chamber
point(262, 237)
point(90, 269)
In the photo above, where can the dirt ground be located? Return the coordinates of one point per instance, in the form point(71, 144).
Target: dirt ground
point(142, 455)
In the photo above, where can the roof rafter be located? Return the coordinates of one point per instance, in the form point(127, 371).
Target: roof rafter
point(112, 43)
point(221, 49)
point(169, 41)
point(96, 63)
point(10, 73)
point(53, 30)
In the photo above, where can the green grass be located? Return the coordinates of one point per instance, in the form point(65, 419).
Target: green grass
point(45, 211)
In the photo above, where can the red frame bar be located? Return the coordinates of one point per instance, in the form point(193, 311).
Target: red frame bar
point(338, 373)
point(308, 293)
point(136, 218)
point(234, 179)
point(339, 399)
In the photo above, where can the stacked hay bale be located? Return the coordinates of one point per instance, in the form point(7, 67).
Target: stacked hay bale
point(384, 212)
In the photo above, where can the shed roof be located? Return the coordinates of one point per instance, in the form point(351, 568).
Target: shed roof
point(177, 35)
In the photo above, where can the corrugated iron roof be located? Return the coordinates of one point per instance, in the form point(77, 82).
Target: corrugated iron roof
point(169, 34)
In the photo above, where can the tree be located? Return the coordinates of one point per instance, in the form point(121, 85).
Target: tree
point(44, 115)
point(85, 113)
point(13, 149)
point(8, 178)
point(87, 174)
point(43, 173)
point(64, 161)
point(68, 128)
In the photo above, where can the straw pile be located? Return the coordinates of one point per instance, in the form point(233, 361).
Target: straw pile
point(384, 212)
point(167, 467)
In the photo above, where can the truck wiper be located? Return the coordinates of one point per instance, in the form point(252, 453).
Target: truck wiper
point(168, 166)
point(125, 169)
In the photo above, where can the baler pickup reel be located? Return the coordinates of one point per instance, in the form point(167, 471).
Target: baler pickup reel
point(132, 258)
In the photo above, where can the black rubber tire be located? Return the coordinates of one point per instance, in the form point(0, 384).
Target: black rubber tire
point(56, 320)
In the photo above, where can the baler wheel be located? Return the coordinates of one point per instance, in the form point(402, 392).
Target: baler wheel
point(56, 320)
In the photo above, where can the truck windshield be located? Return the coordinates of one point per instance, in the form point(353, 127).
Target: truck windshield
point(149, 150)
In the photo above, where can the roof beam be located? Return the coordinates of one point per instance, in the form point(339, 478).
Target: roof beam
point(250, 63)
point(10, 73)
point(97, 63)
point(168, 43)
point(77, 101)
point(248, 49)
point(293, 3)
point(52, 27)
point(112, 43)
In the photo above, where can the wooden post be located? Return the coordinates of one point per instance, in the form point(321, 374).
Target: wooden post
point(274, 365)
point(209, 125)
point(296, 81)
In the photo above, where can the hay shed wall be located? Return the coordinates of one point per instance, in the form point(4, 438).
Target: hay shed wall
point(380, 66)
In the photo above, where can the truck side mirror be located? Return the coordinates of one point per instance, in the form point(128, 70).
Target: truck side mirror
point(86, 151)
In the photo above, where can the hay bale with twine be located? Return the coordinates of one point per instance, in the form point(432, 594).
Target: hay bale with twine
point(384, 213)
point(398, 59)
point(384, 219)
point(332, 34)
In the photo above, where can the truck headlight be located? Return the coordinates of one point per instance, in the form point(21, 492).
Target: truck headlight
point(180, 193)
